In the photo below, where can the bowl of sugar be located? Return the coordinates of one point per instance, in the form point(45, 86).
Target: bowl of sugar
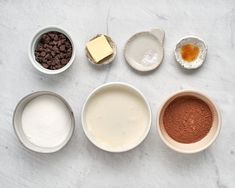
point(43, 122)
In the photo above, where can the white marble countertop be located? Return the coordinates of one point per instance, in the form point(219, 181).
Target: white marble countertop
point(152, 164)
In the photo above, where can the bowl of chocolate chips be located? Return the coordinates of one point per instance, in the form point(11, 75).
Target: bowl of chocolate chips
point(52, 50)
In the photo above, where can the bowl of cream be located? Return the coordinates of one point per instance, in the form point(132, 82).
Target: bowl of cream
point(43, 121)
point(116, 117)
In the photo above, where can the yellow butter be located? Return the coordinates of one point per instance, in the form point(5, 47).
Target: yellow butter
point(99, 48)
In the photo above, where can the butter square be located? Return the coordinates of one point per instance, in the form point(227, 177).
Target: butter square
point(99, 48)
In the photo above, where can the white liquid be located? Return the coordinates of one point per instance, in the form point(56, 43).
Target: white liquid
point(116, 117)
point(46, 121)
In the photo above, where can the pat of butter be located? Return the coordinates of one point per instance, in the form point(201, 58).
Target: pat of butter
point(99, 48)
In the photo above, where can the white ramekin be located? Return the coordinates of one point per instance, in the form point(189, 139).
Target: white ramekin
point(192, 147)
point(34, 42)
point(126, 147)
point(18, 125)
point(137, 46)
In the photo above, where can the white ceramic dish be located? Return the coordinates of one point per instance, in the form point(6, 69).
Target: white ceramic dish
point(106, 60)
point(34, 42)
point(119, 128)
point(202, 54)
point(144, 51)
point(17, 123)
point(192, 147)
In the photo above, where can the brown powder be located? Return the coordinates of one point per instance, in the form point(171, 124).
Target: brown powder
point(187, 119)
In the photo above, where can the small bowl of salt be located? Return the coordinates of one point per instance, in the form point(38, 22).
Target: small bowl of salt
point(144, 51)
point(43, 122)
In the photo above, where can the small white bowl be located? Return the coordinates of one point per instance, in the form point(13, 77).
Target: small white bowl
point(18, 125)
point(191, 39)
point(144, 51)
point(191, 147)
point(126, 146)
point(34, 42)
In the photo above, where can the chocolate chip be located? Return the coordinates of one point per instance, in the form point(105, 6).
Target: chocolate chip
point(57, 56)
point(59, 43)
point(50, 47)
point(47, 56)
point(62, 36)
point(45, 65)
point(53, 53)
point(54, 48)
point(47, 50)
point(49, 62)
point(68, 55)
point(40, 49)
point(42, 54)
point(45, 38)
point(56, 38)
point(62, 41)
point(44, 60)
point(53, 63)
point(52, 35)
point(58, 66)
point(55, 43)
point(57, 62)
point(64, 61)
point(37, 53)
point(62, 48)
point(63, 56)
point(68, 45)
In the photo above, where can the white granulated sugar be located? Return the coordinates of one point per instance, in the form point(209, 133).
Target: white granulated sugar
point(46, 121)
point(150, 57)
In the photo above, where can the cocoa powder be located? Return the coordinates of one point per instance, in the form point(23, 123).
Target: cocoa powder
point(187, 119)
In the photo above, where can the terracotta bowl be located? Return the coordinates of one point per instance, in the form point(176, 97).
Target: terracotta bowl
point(191, 147)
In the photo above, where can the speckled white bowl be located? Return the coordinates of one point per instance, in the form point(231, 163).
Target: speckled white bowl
point(192, 147)
point(34, 42)
point(191, 39)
